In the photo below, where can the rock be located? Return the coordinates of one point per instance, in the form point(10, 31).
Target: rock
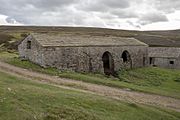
point(9, 89)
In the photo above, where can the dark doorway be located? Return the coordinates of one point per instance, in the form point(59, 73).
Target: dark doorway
point(151, 61)
point(127, 59)
point(108, 63)
point(126, 56)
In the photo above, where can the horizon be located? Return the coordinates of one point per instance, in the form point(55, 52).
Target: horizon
point(91, 27)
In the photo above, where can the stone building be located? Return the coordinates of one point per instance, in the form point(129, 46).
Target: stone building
point(84, 53)
point(165, 57)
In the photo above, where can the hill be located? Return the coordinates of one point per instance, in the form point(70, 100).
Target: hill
point(11, 34)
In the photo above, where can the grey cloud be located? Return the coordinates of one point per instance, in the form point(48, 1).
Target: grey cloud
point(32, 12)
point(92, 6)
point(102, 5)
point(11, 20)
point(133, 24)
point(27, 6)
point(125, 13)
point(152, 18)
point(88, 12)
point(9, 6)
point(116, 3)
point(167, 6)
point(106, 16)
point(29, 11)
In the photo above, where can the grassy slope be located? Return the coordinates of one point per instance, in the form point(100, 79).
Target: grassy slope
point(10, 41)
point(152, 80)
point(27, 100)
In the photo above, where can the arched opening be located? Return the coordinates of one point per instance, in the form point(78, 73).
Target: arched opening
point(126, 56)
point(108, 63)
point(127, 59)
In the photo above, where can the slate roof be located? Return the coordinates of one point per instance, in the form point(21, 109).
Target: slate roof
point(68, 40)
point(164, 52)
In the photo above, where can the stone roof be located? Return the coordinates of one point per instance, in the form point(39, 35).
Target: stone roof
point(69, 40)
point(164, 52)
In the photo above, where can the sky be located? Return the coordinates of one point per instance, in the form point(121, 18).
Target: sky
point(116, 14)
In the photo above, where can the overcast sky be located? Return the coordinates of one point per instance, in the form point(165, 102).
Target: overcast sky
point(118, 14)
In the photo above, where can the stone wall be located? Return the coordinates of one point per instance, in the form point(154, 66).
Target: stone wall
point(90, 58)
point(165, 62)
point(34, 54)
point(169, 59)
point(86, 59)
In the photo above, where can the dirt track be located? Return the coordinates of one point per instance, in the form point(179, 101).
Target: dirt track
point(115, 93)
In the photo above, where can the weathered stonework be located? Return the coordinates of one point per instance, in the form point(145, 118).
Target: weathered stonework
point(83, 58)
point(165, 57)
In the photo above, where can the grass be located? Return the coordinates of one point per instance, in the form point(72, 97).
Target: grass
point(154, 80)
point(28, 100)
point(9, 41)
point(151, 80)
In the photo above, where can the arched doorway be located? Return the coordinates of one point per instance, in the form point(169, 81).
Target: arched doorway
point(127, 59)
point(108, 63)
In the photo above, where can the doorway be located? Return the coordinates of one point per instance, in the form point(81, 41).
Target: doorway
point(126, 59)
point(108, 63)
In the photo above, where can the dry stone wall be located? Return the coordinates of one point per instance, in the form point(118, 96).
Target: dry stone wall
point(89, 59)
point(34, 54)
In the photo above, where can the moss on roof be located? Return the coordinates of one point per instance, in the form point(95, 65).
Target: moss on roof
point(71, 40)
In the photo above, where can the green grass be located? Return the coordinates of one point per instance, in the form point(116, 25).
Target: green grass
point(28, 100)
point(152, 80)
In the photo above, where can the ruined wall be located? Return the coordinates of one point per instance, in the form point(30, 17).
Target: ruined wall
point(164, 62)
point(165, 57)
point(34, 54)
point(90, 58)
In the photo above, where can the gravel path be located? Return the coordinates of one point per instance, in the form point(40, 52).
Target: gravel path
point(115, 93)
